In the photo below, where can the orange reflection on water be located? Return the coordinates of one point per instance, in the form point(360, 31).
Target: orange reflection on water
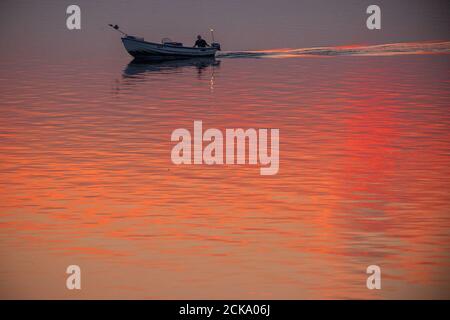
point(87, 179)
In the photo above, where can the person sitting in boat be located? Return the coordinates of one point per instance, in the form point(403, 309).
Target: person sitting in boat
point(200, 43)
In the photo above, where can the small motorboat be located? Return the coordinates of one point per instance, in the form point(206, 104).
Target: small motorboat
point(167, 49)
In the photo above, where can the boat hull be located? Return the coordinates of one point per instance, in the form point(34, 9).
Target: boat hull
point(144, 50)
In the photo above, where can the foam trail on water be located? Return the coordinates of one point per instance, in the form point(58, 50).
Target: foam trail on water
point(442, 47)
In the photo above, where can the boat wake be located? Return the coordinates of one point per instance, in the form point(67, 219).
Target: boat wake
point(391, 49)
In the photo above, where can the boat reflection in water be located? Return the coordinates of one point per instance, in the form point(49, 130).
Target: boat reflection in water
point(139, 67)
point(140, 71)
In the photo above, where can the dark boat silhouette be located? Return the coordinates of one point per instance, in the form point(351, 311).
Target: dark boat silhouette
point(140, 49)
point(167, 49)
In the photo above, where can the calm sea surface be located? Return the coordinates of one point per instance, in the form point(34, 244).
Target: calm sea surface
point(87, 179)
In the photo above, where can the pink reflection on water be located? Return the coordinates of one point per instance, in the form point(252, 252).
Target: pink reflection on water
point(87, 177)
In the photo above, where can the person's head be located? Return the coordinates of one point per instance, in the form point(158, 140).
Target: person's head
point(199, 37)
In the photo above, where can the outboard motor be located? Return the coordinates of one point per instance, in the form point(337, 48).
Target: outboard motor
point(216, 45)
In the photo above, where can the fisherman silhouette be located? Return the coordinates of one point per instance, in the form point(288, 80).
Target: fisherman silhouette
point(201, 43)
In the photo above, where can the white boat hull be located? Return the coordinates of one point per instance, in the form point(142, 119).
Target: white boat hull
point(140, 49)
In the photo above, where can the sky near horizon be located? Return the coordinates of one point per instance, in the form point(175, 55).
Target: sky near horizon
point(39, 27)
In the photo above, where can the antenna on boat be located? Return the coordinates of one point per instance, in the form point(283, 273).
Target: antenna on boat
point(212, 34)
point(116, 27)
point(214, 44)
